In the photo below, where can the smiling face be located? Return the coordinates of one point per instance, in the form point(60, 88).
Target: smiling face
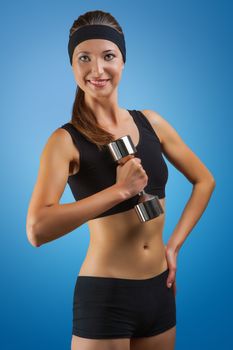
point(97, 59)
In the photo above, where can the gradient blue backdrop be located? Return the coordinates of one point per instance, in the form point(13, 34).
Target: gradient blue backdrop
point(179, 63)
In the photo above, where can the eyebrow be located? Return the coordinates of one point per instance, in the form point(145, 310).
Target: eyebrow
point(90, 52)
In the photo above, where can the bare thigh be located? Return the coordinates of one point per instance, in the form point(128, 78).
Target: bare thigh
point(79, 343)
point(162, 341)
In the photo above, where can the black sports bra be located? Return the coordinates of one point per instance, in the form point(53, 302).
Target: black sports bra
point(97, 169)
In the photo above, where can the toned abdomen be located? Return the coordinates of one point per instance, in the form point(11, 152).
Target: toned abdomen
point(121, 246)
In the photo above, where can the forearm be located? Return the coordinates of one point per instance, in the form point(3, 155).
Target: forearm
point(192, 212)
point(59, 219)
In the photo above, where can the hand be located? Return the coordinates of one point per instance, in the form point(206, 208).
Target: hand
point(171, 255)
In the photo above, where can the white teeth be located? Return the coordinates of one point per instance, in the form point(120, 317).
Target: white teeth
point(100, 82)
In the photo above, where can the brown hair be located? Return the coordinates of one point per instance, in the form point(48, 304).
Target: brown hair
point(82, 117)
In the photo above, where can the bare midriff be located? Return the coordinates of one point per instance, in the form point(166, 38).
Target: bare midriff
point(124, 247)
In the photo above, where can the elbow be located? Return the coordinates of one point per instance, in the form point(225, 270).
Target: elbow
point(209, 183)
point(210, 180)
point(213, 183)
point(33, 237)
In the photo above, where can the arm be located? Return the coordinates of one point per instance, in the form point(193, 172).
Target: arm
point(48, 220)
point(178, 153)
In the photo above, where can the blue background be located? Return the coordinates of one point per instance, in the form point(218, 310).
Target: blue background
point(179, 63)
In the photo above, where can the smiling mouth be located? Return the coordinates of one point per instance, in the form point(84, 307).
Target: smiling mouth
point(99, 83)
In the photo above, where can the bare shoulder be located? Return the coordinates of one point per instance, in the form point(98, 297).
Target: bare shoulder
point(60, 142)
point(176, 150)
point(156, 121)
point(164, 129)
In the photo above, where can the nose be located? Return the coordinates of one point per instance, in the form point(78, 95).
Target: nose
point(97, 68)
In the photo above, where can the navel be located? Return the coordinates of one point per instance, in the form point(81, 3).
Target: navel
point(145, 246)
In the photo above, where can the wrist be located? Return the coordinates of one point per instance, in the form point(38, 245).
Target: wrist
point(121, 191)
point(174, 246)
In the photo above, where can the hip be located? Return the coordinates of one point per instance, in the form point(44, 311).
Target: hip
point(105, 307)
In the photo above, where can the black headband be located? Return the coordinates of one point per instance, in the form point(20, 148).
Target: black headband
point(96, 31)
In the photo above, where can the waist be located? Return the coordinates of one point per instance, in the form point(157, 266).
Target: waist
point(135, 261)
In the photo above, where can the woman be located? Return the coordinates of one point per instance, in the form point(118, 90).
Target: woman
point(124, 296)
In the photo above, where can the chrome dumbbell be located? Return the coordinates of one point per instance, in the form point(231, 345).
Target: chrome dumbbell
point(148, 206)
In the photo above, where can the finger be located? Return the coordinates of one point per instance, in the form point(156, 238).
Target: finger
point(170, 279)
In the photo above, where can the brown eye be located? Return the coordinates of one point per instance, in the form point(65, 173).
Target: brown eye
point(110, 54)
point(82, 57)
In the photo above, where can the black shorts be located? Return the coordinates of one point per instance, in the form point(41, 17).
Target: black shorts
point(107, 307)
